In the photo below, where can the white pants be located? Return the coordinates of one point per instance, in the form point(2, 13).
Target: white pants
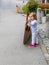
point(34, 38)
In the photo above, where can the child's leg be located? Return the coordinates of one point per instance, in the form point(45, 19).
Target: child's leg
point(36, 38)
point(33, 38)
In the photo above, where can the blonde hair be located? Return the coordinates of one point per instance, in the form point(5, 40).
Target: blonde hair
point(34, 15)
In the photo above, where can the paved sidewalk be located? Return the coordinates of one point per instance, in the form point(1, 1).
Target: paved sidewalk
point(45, 42)
point(12, 50)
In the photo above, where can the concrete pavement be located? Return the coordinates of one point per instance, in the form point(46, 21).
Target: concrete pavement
point(12, 50)
point(45, 41)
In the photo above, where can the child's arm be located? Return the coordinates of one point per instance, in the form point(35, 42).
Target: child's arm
point(27, 20)
point(32, 23)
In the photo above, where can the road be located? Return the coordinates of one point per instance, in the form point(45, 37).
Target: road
point(12, 50)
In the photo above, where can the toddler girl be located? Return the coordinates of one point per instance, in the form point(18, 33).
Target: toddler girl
point(34, 31)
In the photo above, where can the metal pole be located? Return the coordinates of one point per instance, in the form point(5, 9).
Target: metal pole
point(45, 8)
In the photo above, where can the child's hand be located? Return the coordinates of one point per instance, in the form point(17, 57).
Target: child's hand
point(29, 20)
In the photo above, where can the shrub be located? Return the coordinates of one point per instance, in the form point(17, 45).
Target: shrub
point(47, 11)
point(31, 6)
point(24, 8)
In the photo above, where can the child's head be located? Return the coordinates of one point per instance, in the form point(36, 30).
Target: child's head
point(32, 16)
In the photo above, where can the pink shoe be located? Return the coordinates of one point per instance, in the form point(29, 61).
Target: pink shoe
point(31, 45)
point(36, 44)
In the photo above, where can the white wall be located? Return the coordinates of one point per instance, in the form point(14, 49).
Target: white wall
point(11, 3)
point(8, 3)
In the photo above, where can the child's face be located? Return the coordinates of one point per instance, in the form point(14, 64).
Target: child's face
point(31, 17)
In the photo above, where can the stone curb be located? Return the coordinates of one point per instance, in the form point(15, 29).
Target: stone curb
point(44, 50)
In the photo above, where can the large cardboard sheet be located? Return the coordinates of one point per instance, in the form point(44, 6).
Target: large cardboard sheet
point(27, 34)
